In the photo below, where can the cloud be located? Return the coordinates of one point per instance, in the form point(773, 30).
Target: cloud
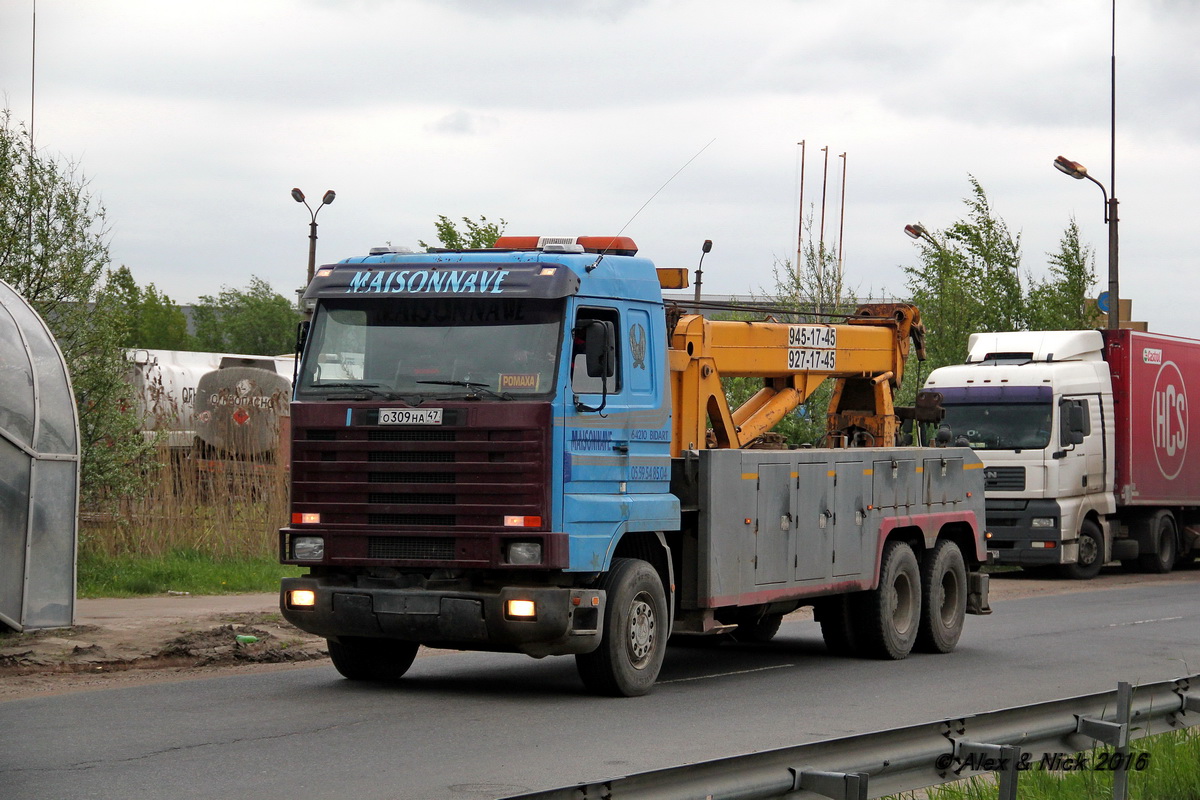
point(464, 123)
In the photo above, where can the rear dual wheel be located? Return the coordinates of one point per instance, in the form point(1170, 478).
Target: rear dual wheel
point(891, 615)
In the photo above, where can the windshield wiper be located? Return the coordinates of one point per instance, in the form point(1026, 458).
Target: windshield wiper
point(368, 389)
point(473, 386)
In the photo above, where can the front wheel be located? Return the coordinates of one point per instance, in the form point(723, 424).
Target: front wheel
point(627, 662)
point(364, 659)
point(1091, 553)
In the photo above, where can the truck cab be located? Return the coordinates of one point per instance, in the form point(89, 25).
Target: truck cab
point(1037, 408)
point(474, 433)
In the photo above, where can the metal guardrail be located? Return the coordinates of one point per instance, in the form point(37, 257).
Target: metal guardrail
point(1008, 742)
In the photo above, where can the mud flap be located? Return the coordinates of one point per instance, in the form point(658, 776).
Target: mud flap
point(977, 593)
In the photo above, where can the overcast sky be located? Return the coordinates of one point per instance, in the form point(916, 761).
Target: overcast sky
point(194, 120)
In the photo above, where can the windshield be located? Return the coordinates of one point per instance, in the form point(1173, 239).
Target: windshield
point(502, 348)
point(1000, 426)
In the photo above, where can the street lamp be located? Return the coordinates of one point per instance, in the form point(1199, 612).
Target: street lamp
point(917, 231)
point(1079, 172)
point(298, 196)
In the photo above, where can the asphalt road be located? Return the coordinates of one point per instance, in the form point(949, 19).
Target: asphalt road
point(476, 725)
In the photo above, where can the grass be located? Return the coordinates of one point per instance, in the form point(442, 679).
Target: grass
point(1172, 773)
point(197, 527)
point(190, 571)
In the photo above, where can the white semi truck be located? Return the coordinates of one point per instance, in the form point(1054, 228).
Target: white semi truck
point(1084, 437)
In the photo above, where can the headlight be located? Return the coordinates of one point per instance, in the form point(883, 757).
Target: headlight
point(308, 548)
point(524, 553)
point(1045, 522)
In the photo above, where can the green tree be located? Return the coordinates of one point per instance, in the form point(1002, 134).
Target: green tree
point(475, 235)
point(152, 319)
point(256, 321)
point(968, 281)
point(1060, 301)
point(54, 253)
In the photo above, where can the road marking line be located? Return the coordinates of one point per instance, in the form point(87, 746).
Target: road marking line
point(725, 674)
point(1143, 622)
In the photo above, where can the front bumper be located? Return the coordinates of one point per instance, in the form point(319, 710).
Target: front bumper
point(1014, 541)
point(568, 620)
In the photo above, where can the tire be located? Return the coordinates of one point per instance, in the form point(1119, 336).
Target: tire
point(630, 654)
point(1091, 553)
point(891, 614)
point(758, 629)
point(943, 598)
point(837, 627)
point(363, 659)
point(1163, 560)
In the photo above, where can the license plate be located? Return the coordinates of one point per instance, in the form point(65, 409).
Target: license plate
point(410, 416)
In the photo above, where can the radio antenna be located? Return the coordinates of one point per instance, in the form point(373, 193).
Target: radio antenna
point(648, 202)
point(596, 263)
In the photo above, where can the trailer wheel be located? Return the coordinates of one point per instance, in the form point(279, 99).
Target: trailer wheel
point(837, 625)
point(365, 659)
point(1091, 553)
point(891, 614)
point(1162, 561)
point(757, 629)
point(943, 598)
point(627, 662)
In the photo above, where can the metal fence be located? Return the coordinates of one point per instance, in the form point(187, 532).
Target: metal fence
point(1007, 742)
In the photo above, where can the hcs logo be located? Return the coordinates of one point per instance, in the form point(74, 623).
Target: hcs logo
point(1169, 420)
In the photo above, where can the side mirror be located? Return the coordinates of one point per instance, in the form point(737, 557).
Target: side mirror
point(302, 336)
point(1074, 424)
point(600, 348)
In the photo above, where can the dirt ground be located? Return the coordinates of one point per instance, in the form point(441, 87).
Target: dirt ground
point(124, 642)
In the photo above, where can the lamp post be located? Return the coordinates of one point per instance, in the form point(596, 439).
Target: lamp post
point(298, 196)
point(1079, 172)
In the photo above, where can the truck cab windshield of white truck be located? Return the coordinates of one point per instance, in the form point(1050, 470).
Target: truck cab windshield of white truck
point(1000, 426)
point(482, 349)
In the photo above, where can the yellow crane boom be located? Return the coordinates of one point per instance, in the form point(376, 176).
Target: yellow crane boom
point(864, 355)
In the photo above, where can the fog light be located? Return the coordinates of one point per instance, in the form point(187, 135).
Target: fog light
point(308, 548)
point(302, 598)
point(524, 553)
point(1045, 522)
point(522, 609)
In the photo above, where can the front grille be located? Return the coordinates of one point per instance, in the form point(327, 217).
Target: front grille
point(410, 458)
point(420, 548)
point(410, 477)
point(410, 435)
point(1004, 479)
point(485, 462)
point(417, 498)
point(429, 520)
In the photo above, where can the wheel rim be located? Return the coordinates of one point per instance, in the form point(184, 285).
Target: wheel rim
point(903, 613)
point(949, 608)
point(642, 630)
point(1089, 550)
